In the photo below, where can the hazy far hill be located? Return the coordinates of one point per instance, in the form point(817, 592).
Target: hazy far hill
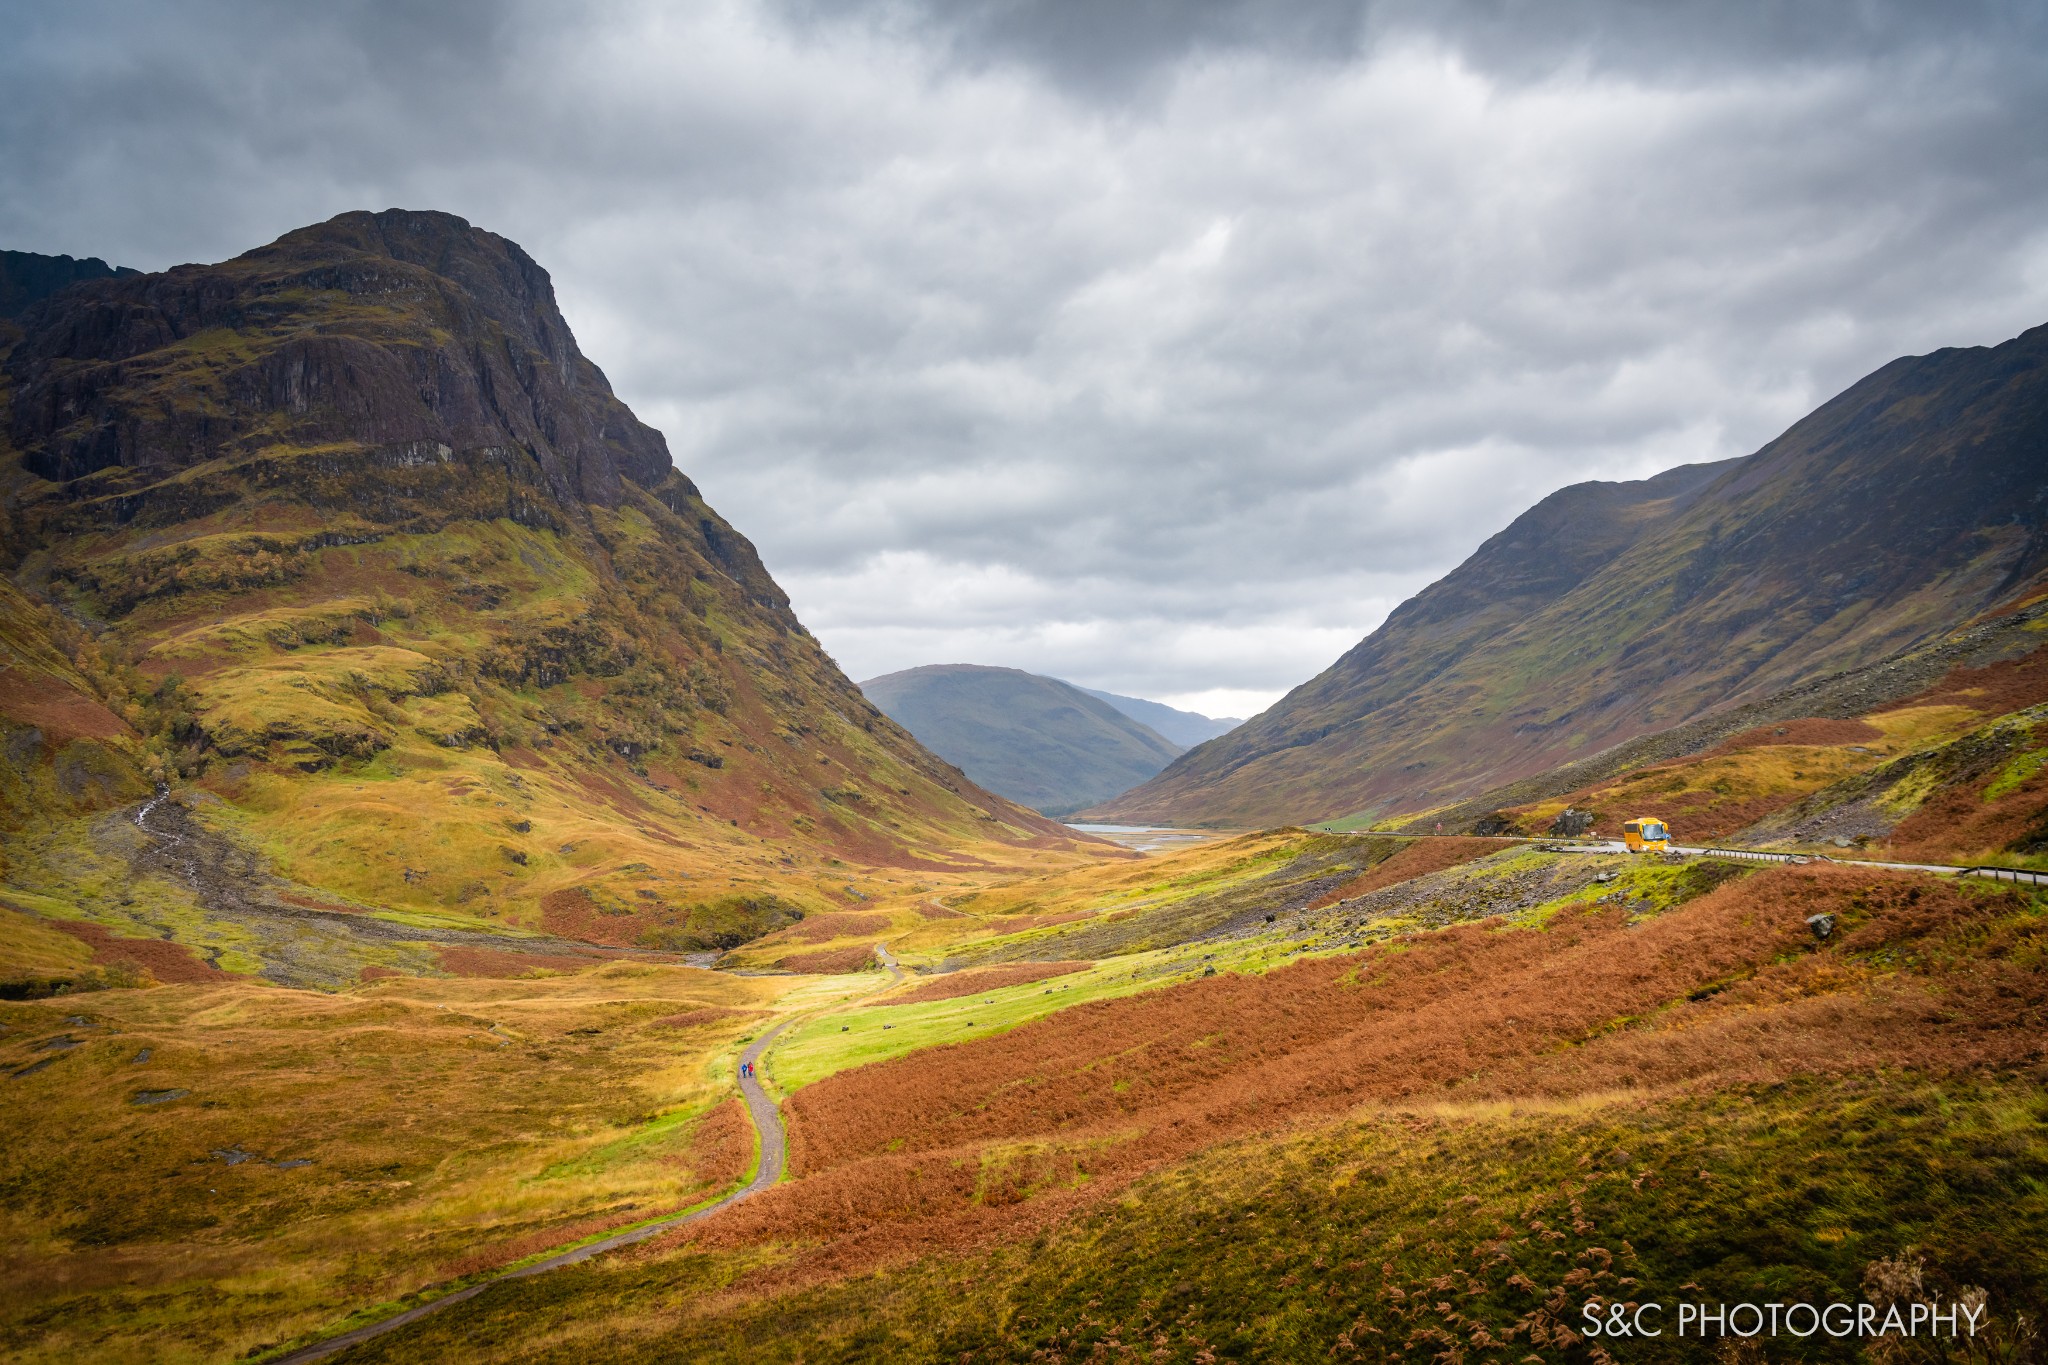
point(348, 542)
point(1185, 728)
point(1900, 509)
point(1039, 741)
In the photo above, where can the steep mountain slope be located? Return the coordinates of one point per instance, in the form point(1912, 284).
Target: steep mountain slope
point(1036, 740)
point(1906, 506)
point(347, 534)
point(1185, 728)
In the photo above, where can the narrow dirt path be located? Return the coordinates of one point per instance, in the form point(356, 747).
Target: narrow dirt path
point(767, 1127)
point(294, 943)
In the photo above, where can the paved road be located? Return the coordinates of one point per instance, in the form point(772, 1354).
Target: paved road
point(767, 1126)
point(767, 1117)
point(1946, 869)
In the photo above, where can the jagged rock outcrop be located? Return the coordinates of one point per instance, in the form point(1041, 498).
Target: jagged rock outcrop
point(411, 336)
point(27, 278)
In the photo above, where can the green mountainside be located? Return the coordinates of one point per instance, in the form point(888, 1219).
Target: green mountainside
point(346, 542)
point(1039, 741)
point(1901, 509)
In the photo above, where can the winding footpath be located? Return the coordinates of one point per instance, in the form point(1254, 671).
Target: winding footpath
point(767, 1117)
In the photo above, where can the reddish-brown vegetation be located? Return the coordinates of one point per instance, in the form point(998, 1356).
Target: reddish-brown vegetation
point(571, 913)
point(711, 1015)
point(825, 928)
point(1420, 858)
point(168, 962)
point(1957, 822)
point(831, 961)
point(61, 712)
point(986, 979)
point(539, 1239)
point(1807, 730)
point(308, 903)
point(937, 1148)
point(1716, 806)
point(1703, 813)
point(505, 966)
point(1017, 924)
point(721, 1148)
point(2009, 685)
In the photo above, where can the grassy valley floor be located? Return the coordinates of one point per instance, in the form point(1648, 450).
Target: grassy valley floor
point(1283, 1096)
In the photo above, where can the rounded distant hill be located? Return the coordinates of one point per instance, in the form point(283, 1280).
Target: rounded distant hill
point(1040, 742)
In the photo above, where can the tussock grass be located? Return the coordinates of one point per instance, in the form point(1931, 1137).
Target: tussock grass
point(1402, 1233)
point(450, 1126)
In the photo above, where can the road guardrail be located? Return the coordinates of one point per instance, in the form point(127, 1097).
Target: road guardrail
point(2007, 874)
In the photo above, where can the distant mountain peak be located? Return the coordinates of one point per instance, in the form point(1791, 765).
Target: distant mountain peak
point(1185, 728)
point(1036, 740)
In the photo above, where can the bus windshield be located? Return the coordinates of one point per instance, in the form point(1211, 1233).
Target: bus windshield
point(1654, 830)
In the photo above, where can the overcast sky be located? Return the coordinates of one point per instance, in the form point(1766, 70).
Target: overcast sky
point(1161, 345)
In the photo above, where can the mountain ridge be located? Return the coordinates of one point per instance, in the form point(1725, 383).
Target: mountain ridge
point(357, 551)
point(1040, 741)
point(1184, 728)
point(1894, 511)
point(27, 278)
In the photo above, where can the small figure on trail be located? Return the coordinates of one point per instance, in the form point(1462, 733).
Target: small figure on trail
point(1439, 827)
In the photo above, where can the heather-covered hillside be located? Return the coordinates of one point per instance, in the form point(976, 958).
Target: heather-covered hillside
point(1897, 511)
point(346, 542)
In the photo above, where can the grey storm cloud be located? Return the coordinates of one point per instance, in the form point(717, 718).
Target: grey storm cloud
point(1161, 346)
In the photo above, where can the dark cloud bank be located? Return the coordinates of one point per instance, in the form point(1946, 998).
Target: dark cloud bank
point(1163, 347)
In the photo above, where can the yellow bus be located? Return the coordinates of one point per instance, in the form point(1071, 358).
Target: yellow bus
point(1646, 835)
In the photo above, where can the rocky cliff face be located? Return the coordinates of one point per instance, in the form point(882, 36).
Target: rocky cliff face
point(412, 336)
point(27, 278)
point(1900, 509)
point(347, 533)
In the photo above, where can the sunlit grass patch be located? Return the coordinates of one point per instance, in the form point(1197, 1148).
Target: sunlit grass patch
point(339, 1150)
point(1408, 1230)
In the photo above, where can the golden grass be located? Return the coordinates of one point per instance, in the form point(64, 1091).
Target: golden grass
point(450, 1125)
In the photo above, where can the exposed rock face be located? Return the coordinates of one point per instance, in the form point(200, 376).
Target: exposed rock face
point(1897, 511)
point(411, 335)
point(27, 278)
point(348, 524)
